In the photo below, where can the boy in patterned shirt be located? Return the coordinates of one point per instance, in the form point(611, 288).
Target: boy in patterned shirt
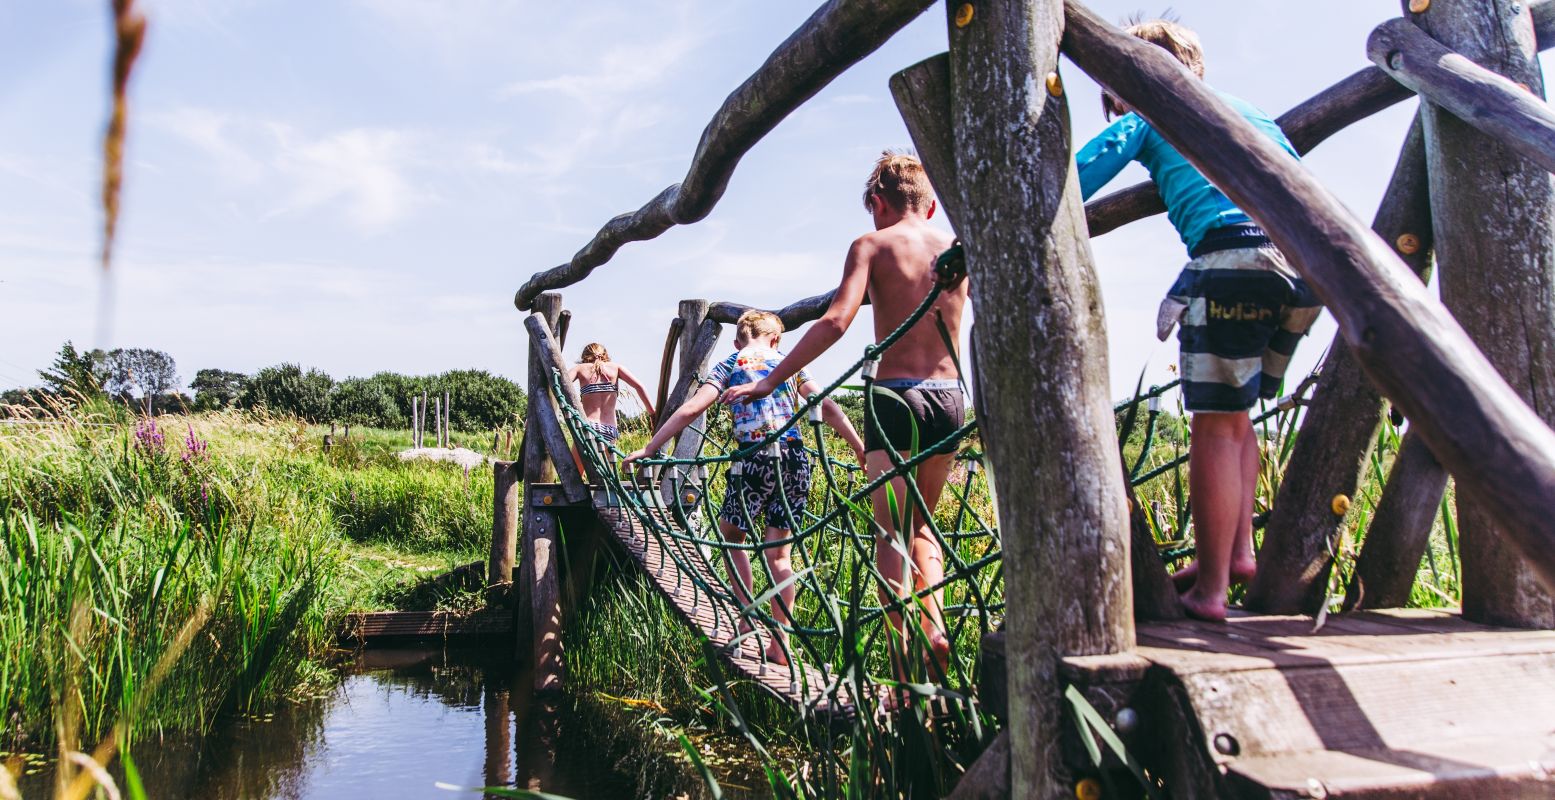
point(770, 484)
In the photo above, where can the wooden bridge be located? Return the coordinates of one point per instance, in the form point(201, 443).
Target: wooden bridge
point(1375, 703)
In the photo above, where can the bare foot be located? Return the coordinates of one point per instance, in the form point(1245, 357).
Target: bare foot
point(939, 650)
point(1241, 572)
point(776, 654)
point(1209, 610)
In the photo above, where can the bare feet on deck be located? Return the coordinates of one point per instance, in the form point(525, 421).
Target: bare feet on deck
point(1211, 609)
point(776, 654)
point(1241, 572)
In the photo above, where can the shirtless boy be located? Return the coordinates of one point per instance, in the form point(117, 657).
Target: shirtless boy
point(895, 266)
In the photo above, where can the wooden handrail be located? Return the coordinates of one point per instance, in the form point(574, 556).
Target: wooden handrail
point(1413, 349)
point(793, 315)
point(1496, 105)
point(1307, 125)
point(835, 37)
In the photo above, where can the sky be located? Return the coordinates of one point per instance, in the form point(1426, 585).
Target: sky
point(361, 185)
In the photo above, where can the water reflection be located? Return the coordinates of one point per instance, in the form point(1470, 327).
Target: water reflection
point(402, 722)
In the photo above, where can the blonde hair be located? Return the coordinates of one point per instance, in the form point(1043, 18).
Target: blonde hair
point(899, 179)
point(592, 352)
point(1169, 35)
point(753, 324)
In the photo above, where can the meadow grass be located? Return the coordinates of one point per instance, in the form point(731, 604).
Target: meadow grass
point(116, 532)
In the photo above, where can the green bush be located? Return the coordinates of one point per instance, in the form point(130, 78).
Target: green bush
point(288, 390)
point(366, 402)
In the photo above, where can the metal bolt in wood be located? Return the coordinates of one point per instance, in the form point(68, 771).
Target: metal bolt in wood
point(1340, 505)
point(1055, 84)
point(1408, 244)
point(1419, 6)
point(964, 15)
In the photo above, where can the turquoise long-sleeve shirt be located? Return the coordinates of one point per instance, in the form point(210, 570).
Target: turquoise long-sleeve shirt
point(1193, 204)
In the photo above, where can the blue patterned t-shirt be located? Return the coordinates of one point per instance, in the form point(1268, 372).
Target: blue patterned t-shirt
point(755, 419)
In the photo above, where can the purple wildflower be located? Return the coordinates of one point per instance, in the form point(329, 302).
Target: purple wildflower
point(148, 439)
point(194, 447)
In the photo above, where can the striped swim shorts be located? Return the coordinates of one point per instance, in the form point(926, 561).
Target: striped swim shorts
point(1243, 311)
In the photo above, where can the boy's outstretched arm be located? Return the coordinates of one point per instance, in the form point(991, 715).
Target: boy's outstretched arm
point(688, 411)
point(642, 393)
point(826, 330)
point(835, 417)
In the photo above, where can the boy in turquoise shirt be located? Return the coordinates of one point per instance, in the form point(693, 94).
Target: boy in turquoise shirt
point(1242, 309)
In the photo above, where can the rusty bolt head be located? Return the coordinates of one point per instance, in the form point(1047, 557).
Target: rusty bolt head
point(964, 15)
point(1408, 244)
point(1340, 505)
point(546, 500)
point(1088, 789)
point(1055, 84)
point(1419, 6)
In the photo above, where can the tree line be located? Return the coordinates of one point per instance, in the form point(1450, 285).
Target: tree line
point(148, 380)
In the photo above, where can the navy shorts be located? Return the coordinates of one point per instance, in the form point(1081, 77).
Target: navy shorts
point(1245, 312)
point(928, 411)
point(767, 486)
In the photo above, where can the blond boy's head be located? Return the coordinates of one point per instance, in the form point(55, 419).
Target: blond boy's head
point(754, 325)
point(1169, 35)
point(899, 180)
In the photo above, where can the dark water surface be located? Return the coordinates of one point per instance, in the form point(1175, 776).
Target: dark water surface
point(399, 724)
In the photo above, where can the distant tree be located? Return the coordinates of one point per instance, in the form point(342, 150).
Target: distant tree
point(216, 389)
point(152, 372)
point(74, 373)
point(287, 389)
point(366, 402)
point(481, 401)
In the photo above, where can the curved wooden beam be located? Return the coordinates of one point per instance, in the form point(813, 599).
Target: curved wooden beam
point(1499, 107)
point(1410, 346)
point(835, 37)
point(1307, 125)
point(793, 315)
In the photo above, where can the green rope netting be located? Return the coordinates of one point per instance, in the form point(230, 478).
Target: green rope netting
point(838, 624)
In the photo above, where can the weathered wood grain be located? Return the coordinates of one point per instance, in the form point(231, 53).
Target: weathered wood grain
point(835, 37)
point(1494, 215)
point(550, 669)
point(1496, 105)
point(547, 417)
point(923, 98)
point(1400, 529)
point(505, 501)
point(1341, 105)
point(793, 315)
point(1042, 365)
point(667, 369)
point(1410, 346)
point(1332, 449)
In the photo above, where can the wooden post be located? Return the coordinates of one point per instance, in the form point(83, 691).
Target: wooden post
point(1494, 215)
point(923, 97)
point(545, 603)
point(498, 719)
point(538, 468)
point(422, 439)
point(1333, 448)
point(547, 418)
point(1041, 358)
point(448, 421)
point(1400, 529)
point(437, 413)
point(691, 315)
point(506, 498)
point(415, 406)
point(699, 335)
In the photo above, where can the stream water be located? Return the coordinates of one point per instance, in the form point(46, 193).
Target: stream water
point(401, 723)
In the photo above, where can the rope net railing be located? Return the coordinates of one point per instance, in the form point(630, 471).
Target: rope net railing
point(847, 624)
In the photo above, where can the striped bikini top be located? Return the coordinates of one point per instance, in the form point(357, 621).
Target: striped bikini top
point(602, 387)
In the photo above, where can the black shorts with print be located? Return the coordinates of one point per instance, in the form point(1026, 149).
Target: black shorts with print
point(774, 487)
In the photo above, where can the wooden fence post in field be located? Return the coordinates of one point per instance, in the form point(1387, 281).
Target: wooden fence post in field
point(506, 499)
point(1041, 360)
point(1494, 216)
point(415, 435)
point(1333, 448)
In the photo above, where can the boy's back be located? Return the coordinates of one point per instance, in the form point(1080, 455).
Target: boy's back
point(901, 273)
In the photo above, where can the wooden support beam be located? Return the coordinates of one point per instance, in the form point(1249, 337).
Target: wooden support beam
point(505, 500)
point(538, 468)
point(547, 414)
point(1347, 102)
point(691, 314)
point(793, 315)
point(835, 37)
point(922, 94)
point(1400, 529)
point(1041, 361)
point(546, 606)
point(693, 363)
point(1494, 214)
point(1501, 451)
point(1504, 110)
point(666, 369)
point(1333, 447)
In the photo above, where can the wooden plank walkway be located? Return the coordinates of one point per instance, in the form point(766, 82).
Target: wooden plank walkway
point(364, 627)
point(1376, 704)
point(803, 687)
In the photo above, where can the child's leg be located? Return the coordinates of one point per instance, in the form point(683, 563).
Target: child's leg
point(929, 560)
point(739, 566)
point(1218, 484)
point(1243, 562)
point(890, 551)
point(782, 567)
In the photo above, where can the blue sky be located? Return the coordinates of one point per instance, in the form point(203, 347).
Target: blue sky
point(361, 185)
